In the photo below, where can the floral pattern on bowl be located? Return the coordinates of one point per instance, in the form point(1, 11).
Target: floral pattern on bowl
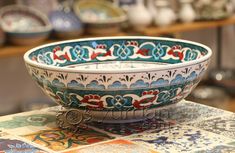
point(118, 73)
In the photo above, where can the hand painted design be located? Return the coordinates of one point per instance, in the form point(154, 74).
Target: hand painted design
point(176, 52)
point(158, 52)
point(59, 140)
point(16, 146)
point(118, 81)
point(119, 50)
point(93, 101)
point(100, 51)
point(97, 100)
point(147, 100)
point(30, 120)
point(125, 129)
point(77, 53)
point(179, 139)
point(58, 54)
point(114, 146)
point(223, 125)
point(118, 102)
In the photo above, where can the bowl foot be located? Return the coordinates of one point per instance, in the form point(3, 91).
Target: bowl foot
point(74, 119)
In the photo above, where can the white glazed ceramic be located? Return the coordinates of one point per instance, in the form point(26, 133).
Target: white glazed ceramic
point(139, 20)
point(187, 13)
point(152, 8)
point(118, 79)
point(165, 15)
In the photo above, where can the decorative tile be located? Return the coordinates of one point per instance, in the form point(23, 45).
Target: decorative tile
point(126, 129)
point(185, 111)
point(223, 125)
point(219, 149)
point(58, 140)
point(179, 139)
point(8, 145)
point(28, 120)
point(37, 118)
point(114, 146)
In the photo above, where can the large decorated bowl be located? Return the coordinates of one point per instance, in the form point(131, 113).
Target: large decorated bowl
point(118, 79)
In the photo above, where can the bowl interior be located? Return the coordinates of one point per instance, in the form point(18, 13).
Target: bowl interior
point(117, 53)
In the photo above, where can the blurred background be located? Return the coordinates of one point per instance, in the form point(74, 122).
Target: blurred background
point(29, 23)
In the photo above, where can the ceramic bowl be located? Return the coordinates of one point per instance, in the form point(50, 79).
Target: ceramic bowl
point(118, 79)
point(66, 25)
point(24, 25)
point(100, 17)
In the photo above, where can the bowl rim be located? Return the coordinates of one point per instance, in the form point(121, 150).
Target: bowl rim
point(15, 7)
point(132, 70)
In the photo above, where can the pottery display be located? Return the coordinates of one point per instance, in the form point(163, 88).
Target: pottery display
point(213, 9)
point(100, 17)
point(143, 19)
point(152, 8)
point(66, 24)
point(187, 13)
point(124, 4)
point(24, 25)
point(165, 15)
point(45, 6)
point(117, 79)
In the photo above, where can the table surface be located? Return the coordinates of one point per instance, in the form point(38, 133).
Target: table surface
point(182, 127)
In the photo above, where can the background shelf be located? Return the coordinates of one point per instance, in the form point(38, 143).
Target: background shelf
point(10, 50)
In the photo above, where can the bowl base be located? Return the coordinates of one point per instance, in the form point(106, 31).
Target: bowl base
point(73, 119)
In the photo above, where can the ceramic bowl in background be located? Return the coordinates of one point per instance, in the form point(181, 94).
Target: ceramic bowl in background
point(100, 17)
point(24, 25)
point(118, 79)
point(66, 24)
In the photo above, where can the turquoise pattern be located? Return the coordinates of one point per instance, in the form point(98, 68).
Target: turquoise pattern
point(126, 91)
point(117, 50)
